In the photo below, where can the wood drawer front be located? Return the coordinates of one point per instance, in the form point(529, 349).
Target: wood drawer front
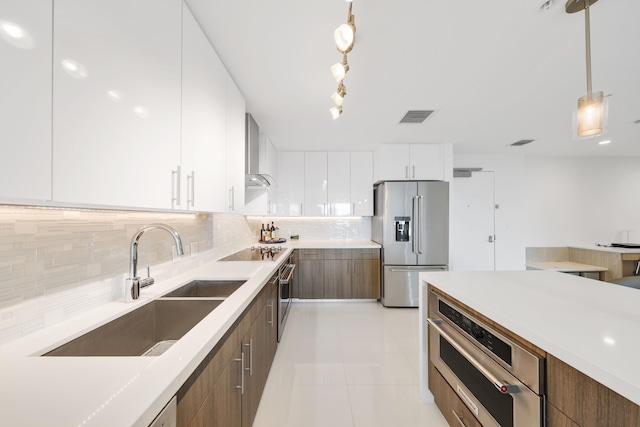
point(337, 253)
point(310, 253)
point(453, 409)
point(584, 400)
point(365, 253)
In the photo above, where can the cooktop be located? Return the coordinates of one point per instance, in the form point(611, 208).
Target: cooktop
point(256, 253)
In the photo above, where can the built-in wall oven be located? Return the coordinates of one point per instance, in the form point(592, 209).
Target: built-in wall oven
point(285, 292)
point(498, 380)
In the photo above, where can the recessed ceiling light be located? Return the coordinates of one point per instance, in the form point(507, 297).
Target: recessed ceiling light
point(604, 142)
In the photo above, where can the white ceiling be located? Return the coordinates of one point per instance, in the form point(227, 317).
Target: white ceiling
point(495, 71)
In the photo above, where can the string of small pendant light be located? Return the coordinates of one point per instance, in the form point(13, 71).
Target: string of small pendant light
point(344, 37)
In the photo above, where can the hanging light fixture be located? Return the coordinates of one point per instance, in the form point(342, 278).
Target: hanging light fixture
point(338, 96)
point(591, 117)
point(345, 35)
point(335, 112)
point(339, 69)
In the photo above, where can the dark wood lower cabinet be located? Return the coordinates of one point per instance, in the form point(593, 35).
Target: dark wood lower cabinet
point(225, 389)
point(338, 273)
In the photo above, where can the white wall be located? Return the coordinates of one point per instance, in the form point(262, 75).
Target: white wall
point(582, 201)
point(511, 215)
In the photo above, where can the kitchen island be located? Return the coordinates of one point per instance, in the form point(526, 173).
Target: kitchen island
point(587, 325)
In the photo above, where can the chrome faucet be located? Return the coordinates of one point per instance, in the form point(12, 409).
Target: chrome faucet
point(133, 284)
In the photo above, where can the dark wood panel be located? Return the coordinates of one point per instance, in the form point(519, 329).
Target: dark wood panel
point(555, 418)
point(337, 279)
point(365, 253)
point(453, 409)
point(586, 401)
point(365, 279)
point(310, 253)
point(337, 253)
point(311, 279)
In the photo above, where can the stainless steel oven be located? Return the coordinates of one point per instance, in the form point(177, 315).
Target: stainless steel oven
point(498, 380)
point(285, 292)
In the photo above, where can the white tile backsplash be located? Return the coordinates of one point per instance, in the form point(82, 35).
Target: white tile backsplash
point(317, 228)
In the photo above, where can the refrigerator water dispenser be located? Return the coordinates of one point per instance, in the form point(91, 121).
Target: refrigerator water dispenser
point(402, 228)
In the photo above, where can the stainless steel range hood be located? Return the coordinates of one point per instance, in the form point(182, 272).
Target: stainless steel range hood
point(253, 177)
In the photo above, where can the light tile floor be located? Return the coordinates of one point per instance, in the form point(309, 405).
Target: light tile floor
point(346, 364)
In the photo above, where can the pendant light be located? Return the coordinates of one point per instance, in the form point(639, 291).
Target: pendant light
point(338, 96)
point(344, 37)
point(591, 108)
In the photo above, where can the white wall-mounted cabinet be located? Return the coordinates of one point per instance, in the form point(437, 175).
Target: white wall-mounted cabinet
point(204, 121)
point(235, 170)
point(117, 102)
point(25, 103)
point(405, 162)
point(361, 183)
point(263, 200)
point(339, 183)
point(315, 184)
point(291, 185)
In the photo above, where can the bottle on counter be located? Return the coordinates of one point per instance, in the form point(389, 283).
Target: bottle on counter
point(273, 232)
point(263, 233)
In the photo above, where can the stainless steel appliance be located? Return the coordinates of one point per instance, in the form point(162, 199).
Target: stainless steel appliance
point(411, 222)
point(499, 381)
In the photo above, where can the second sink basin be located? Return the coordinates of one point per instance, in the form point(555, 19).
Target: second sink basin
point(147, 331)
point(206, 289)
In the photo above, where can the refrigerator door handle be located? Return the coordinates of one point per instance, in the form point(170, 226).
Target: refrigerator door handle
point(419, 220)
point(414, 226)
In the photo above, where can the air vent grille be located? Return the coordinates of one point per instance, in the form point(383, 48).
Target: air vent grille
point(522, 142)
point(416, 116)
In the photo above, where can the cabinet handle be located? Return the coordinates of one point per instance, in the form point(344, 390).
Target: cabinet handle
point(191, 179)
point(270, 322)
point(241, 360)
point(459, 418)
point(300, 208)
point(250, 368)
point(406, 171)
point(175, 183)
point(413, 171)
point(232, 201)
point(353, 211)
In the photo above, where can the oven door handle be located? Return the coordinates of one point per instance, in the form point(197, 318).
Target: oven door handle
point(500, 385)
point(286, 281)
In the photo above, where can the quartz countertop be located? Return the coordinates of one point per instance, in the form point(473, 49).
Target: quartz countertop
point(608, 249)
point(588, 324)
point(330, 244)
point(116, 391)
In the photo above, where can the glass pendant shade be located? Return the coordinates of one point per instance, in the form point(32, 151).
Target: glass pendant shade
point(338, 71)
point(590, 114)
point(338, 96)
point(344, 37)
point(335, 112)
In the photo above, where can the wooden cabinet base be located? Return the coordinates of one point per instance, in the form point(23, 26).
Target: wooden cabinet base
point(453, 409)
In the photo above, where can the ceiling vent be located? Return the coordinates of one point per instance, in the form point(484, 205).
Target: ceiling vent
point(416, 116)
point(521, 142)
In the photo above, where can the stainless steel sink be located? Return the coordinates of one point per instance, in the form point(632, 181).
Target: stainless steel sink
point(206, 289)
point(147, 331)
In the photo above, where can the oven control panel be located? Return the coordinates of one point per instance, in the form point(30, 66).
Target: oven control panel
point(481, 335)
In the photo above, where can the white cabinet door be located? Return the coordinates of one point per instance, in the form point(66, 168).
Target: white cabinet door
point(204, 121)
point(426, 162)
point(236, 111)
point(362, 183)
point(117, 101)
point(338, 183)
point(315, 184)
point(393, 162)
point(291, 184)
point(25, 100)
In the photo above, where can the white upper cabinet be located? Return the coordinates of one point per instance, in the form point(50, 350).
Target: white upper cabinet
point(25, 100)
point(291, 184)
point(235, 157)
point(362, 183)
point(117, 102)
point(411, 162)
point(315, 184)
point(204, 121)
point(338, 183)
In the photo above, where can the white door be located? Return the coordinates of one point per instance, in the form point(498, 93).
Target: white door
point(236, 110)
point(362, 183)
point(426, 162)
point(291, 184)
point(472, 223)
point(338, 183)
point(315, 183)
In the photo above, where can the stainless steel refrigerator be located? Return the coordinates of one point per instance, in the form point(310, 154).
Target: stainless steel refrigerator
point(411, 222)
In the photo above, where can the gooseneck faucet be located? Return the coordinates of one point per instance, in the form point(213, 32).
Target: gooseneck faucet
point(133, 284)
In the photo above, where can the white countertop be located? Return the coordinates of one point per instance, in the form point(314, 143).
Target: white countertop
point(115, 391)
point(588, 324)
point(330, 244)
point(608, 249)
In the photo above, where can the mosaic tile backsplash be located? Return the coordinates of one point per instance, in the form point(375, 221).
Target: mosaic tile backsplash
point(58, 263)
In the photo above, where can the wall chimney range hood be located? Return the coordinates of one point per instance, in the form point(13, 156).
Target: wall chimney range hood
point(253, 177)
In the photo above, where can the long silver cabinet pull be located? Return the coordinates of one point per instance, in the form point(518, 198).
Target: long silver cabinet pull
point(270, 322)
point(459, 418)
point(175, 182)
point(191, 194)
point(406, 171)
point(413, 172)
point(232, 202)
point(241, 360)
point(250, 368)
point(500, 385)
